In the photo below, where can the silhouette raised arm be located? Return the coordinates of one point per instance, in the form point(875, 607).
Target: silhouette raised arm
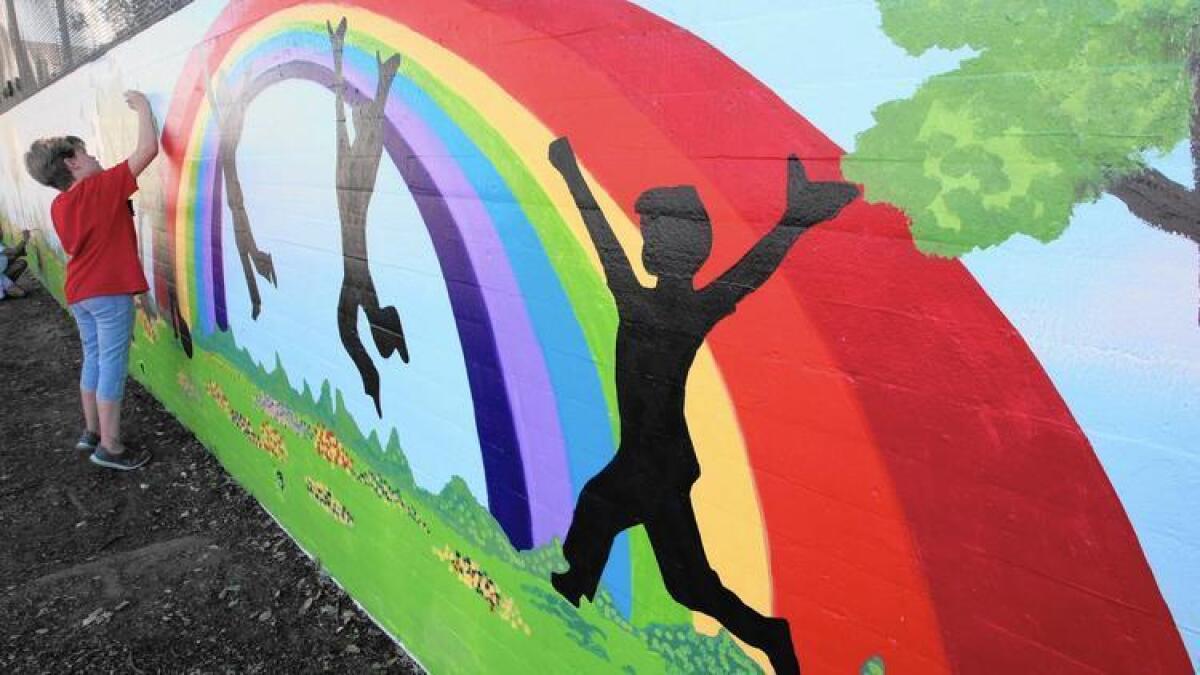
point(616, 264)
point(383, 85)
point(808, 204)
point(337, 38)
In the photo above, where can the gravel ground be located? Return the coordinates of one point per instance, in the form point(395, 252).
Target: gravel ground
point(171, 569)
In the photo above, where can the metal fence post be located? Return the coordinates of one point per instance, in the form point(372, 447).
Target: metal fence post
point(24, 69)
point(64, 33)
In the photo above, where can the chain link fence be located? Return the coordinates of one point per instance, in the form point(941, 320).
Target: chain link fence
point(40, 40)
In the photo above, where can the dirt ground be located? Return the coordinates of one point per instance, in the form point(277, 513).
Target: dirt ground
point(173, 568)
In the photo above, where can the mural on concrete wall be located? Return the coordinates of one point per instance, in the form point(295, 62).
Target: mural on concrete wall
point(649, 386)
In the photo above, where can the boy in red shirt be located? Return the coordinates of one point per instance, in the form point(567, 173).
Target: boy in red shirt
point(94, 221)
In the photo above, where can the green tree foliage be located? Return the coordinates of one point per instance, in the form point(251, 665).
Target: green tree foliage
point(1060, 102)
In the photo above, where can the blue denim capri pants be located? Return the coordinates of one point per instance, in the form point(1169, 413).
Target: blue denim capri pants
point(105, 326)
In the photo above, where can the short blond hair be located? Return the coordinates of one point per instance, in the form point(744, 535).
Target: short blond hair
point(46, 160)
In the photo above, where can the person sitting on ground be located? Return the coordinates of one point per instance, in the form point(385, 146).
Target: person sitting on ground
point(95, 225)
point(12, 266)
point(9, 288)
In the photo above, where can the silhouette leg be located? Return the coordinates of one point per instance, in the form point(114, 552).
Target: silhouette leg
point(604, 510)
point(179, 326)
point(251, 284)
point(263, 264)
point(348, 331)
point(243, 236)
point(693, 583)
point(252, 258)
point(387, 331)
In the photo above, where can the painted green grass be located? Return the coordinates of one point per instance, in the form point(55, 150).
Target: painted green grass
point(434, 569)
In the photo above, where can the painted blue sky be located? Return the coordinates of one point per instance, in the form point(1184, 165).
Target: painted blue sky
point(1110, 308)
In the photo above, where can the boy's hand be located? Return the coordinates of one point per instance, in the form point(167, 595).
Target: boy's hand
point(147, 144)
point(137, 101)
point(809, 203)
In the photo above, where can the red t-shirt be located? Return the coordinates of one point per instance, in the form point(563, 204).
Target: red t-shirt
point(94, 222)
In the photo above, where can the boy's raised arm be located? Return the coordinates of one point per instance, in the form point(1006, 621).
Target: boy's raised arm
point(147, 145)
point(808, 204)
point(616, 264)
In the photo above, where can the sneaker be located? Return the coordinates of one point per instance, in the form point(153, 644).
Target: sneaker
point(87, 441)
point(126, 461)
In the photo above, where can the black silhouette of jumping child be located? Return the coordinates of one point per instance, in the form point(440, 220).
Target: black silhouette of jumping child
point(660, 329)
point(229, 111)
point(357, 167)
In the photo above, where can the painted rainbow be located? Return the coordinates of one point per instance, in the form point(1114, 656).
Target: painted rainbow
point(815, 500)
